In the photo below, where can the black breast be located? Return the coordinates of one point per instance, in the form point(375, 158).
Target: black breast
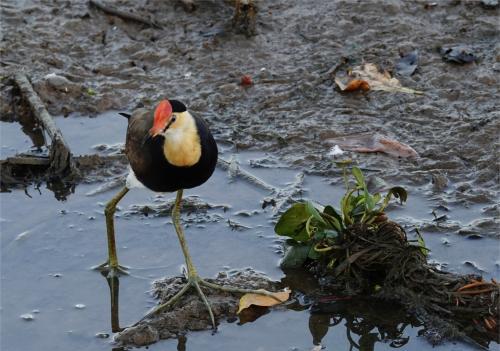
point(150, 165)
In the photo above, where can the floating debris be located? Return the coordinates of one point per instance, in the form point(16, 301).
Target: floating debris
point(27, 317)
point(102, 335)
point(80, 306)
point(407, 64)
point(335, 151)
point(458, 54)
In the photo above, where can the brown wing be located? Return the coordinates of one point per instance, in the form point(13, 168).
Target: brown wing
point(138, 127)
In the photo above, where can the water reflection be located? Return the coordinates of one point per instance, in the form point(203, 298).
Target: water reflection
point(366, 321)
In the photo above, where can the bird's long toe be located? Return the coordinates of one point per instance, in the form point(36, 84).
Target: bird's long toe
point(232, 289)
point(196, 284)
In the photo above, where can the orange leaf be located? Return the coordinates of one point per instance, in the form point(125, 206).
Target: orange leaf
point(357, 84)
point(250, 299)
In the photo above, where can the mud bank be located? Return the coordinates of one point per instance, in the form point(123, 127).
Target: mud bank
point(83, 62)
point(107, 63)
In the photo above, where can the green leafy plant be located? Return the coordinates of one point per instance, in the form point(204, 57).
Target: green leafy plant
point(314, 230)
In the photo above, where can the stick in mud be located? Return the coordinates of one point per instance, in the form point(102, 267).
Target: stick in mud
point(60, 155)
point(127, 16)
point(282, 196)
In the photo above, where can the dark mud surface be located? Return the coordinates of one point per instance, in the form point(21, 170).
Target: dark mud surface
point(84, 64)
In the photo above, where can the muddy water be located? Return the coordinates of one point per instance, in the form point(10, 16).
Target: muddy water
point(49, 246)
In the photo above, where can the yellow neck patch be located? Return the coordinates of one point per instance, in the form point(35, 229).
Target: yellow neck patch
point(182, 146)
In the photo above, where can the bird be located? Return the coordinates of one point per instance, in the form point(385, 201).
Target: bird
point(169, 150)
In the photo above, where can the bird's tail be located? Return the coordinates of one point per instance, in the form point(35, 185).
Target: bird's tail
point(126, 115)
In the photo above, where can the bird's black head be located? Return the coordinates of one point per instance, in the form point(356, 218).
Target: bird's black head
point(177, 106)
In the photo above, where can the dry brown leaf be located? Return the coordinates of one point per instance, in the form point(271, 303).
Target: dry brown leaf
point(380, 80)
point(353, 85)
point(367, 142)
point(248, 300)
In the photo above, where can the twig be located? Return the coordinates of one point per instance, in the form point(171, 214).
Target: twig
point(60, 155)
point(282, 195)
point(234, 168)
point(124, 15)
point(26, 160)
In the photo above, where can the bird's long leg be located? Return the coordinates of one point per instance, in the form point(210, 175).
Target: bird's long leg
point(111, 265)
point(194, 280)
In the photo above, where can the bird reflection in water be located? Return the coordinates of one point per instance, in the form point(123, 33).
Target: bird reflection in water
point(366, 321)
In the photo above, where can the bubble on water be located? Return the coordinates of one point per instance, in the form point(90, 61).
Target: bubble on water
point(35, 311)
point(80, 306)
point(27, 317)
point(56, 275)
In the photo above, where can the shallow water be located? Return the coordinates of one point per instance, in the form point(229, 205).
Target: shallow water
point(49, 246)
point(289, 113)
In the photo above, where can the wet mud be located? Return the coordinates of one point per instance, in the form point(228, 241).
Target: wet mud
point(192, 315)
point(85, 65)
point(86, 61)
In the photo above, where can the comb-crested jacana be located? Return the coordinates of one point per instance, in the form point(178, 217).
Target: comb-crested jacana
point(168, 150)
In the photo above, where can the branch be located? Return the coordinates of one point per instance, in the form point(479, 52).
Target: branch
point(127, 16)
point(60, 155)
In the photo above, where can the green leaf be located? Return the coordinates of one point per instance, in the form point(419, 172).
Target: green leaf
point(310, 229)
point(421, 243)
point(333, 218)
point(360, 179)
point(313, 254)
point(314, 212)
point(331, 263)
point(370, 202)
point(346, 205)
point(330, 234)
point(295, 256)
point(293, 223)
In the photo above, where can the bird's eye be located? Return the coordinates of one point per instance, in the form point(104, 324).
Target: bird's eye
point(173, 118)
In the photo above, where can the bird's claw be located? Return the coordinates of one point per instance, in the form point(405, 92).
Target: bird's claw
point(196, 282)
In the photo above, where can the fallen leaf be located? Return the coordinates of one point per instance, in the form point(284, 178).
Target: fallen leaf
point(458, 54)
point(250, 299)
point(407, 64)
point(353, 85)
point(365, 142)
point(380, 80)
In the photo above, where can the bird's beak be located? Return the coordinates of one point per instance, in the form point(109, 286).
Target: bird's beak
point(162, 118)
point(158, 129)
